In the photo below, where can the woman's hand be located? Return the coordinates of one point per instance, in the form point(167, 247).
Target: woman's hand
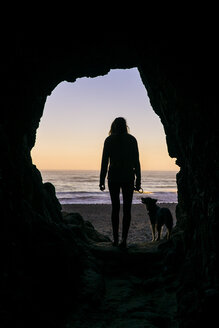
point(137, 187)
point(102, 187)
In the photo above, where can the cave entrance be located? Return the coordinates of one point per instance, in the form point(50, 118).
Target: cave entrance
point(76, 120)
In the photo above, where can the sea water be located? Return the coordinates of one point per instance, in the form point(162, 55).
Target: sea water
point(82, 187)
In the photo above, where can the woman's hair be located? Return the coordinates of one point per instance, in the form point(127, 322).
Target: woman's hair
point(119, 126)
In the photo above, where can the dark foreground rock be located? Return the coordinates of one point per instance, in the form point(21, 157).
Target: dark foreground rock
point(85, 228)
point(49, 273)
point(135, 287)
point(140, 287)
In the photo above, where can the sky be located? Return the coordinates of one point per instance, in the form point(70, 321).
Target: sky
point(77, 119)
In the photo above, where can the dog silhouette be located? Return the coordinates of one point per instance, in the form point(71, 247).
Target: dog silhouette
point(159, 216)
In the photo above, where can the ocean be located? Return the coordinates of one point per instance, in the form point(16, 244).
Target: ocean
point(82, 187)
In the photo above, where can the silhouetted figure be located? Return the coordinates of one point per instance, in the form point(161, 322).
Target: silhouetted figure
point(159, 216)
point(121, 159)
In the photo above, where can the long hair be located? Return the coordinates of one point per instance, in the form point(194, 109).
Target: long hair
point(119, 126)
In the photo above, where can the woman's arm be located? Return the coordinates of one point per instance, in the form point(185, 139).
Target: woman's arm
point(104, 165)
point(137, 168)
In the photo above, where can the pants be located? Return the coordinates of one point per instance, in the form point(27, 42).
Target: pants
point(127, 193)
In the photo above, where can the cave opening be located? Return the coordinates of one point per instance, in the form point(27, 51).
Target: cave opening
point(77, 113)
point(70, 138)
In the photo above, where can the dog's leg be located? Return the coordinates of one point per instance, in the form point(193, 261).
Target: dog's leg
point(168, 233)
point(158, 227)
point(153, 231)
point(161, 231)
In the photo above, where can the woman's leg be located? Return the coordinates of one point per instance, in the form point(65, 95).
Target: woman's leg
point(114, 189)
point(127, 191)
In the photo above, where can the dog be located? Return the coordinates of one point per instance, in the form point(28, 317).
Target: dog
point(159, 216)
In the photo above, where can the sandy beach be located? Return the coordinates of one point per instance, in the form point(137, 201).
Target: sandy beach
point(100, 216)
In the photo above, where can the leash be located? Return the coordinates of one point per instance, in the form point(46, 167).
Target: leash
point(141, 191)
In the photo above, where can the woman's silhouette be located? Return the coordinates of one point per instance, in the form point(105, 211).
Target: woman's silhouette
point(121, 159)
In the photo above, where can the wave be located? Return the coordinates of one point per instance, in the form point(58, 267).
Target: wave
point(75, 187)
point(84, 197)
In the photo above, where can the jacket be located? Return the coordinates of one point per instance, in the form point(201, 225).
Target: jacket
point(121, 159)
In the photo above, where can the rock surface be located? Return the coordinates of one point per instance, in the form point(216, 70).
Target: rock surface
point(139, 289)
point(45, 263)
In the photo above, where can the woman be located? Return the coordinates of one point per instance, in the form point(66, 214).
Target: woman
point(121, 159)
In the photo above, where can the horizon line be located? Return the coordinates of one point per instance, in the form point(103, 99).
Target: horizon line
point(99, 170)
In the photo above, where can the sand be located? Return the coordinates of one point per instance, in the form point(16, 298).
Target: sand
point(100, 216)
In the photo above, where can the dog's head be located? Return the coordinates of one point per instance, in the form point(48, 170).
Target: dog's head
point(149, 202)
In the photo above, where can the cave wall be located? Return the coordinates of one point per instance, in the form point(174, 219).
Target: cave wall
point(173, 72)
point(187, 110)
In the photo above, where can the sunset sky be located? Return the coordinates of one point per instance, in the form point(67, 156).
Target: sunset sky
point(77, 119)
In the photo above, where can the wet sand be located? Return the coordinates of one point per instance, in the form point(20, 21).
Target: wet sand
point(100, 216)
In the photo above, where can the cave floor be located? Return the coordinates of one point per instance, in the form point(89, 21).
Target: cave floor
point(139, 291)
